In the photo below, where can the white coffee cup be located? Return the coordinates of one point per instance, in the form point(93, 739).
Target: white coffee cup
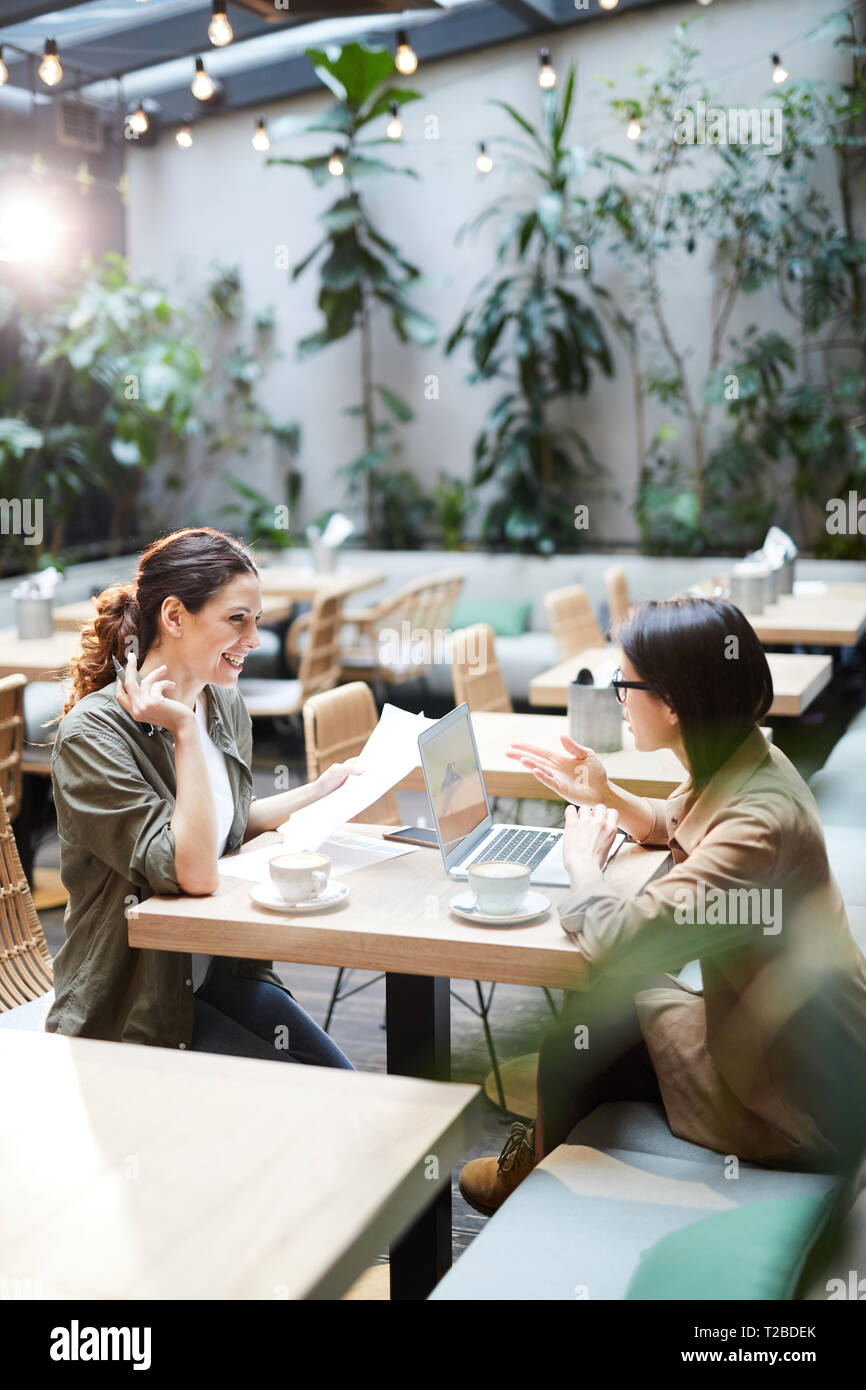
point(301, 877)
point(500, 886)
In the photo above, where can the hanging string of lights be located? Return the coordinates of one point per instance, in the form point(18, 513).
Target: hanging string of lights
point(204, 89)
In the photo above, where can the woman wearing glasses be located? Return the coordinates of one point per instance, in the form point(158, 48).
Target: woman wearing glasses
point(761, 1063)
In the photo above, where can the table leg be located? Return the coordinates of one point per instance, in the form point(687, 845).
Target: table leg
point(418, 1012)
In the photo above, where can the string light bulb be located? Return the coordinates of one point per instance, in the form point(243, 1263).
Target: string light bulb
point(202, 85)
point(395, 125)
point(705, 2)
point(483, 163)
point(261, 140)
point(4, 71)
point(184, 137)
point(49, 69)
point(138, 122)
point(335, 164)
point(779, 73)
point(219, 31)
point(546, 74)
point(406, 59)
point(608, 4)
point(633, 129)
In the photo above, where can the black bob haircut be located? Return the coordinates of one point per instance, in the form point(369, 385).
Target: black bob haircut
point(703, 658)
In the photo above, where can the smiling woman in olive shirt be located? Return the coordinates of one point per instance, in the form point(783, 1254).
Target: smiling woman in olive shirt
point(152, 783)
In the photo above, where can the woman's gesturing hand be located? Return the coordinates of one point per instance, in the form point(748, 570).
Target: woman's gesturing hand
point(576, 775)
point(145, 701)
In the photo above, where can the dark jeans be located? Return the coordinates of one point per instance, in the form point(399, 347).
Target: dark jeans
point(252, 1018)
point(613, 1064)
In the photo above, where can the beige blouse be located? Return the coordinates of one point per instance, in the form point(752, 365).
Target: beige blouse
point(769, 1062)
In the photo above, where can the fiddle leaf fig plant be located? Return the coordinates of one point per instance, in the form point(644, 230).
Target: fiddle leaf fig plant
point(362, 273)
point(530, 325)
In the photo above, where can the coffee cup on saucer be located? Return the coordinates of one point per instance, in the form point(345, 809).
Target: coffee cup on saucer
point(301, 877)
point(500, 886)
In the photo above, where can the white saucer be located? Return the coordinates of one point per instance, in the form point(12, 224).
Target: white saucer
point(464, 905)
point(266, 895)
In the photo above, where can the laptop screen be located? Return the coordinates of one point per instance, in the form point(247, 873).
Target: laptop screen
point(457, 794)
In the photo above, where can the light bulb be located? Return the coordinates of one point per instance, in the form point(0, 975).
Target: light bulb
point(546, 75)
point(4, 71)
point(705, 2)
point(395, 125)
point(184, 137)
point(202, 85)
point(138, 122)
point(483, 163)
point(406, 59)
point(779, 73)
point(608, 4)
point(335, 164)
point(49, 69)
point(633, 129)
point(219, 31)
point(260, 138)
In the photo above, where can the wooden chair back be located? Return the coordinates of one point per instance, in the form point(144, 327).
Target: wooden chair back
point(11, 741)
point(572, 621)
point(475, 670)
point(319, 667)
point(618, 600)
point(25, 962)
point(337, 724)
point(403, 636)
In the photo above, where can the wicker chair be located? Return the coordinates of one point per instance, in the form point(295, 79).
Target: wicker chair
point(618, 600)
point(475, 670)
point(396, 640)
point(11, 741)
point(337, 724)
point(26, 975)
point(318, 662)
point(572, 621)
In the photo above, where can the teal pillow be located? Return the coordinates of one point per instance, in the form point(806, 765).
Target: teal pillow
point(507, 617)
point(751, 1252)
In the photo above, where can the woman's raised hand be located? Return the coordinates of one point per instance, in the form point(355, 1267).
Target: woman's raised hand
point(145, 701)
point(576, 775)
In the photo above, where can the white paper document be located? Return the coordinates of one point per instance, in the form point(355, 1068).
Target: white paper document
point(345, 850)
point(389, 755)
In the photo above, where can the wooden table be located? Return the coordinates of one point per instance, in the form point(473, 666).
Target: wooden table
point(46, 658)
point(192, 1175)
point(797, 679)
point(303, 584)
point(832, 617)
point(396, 920)
point(645, 774)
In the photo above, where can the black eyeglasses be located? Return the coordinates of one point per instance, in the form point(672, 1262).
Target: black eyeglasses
point(621, 686)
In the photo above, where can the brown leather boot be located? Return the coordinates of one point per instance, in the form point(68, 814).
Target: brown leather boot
point(486, 1182)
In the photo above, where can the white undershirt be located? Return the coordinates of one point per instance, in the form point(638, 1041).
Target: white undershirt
point(215, 761)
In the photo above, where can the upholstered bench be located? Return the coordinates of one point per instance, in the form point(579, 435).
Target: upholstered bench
point(577, 1226)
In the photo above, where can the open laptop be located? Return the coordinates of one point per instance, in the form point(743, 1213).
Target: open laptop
point(460, 808)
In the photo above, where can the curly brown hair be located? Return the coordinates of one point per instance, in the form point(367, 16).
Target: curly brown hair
point(191, 564)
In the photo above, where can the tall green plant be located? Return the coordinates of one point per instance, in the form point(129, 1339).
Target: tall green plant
point(528, 327)
point(106, 378)
point(362, 273)
point(754, 414)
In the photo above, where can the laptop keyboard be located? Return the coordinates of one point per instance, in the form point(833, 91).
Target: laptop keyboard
point(521, 846)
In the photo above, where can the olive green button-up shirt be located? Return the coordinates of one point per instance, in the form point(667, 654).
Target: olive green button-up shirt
point(114, 792)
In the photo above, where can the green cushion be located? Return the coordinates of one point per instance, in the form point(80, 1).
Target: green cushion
point(755, 1251)
point(507, 617)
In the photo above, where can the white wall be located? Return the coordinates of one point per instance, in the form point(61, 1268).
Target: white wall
point(218, 202)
